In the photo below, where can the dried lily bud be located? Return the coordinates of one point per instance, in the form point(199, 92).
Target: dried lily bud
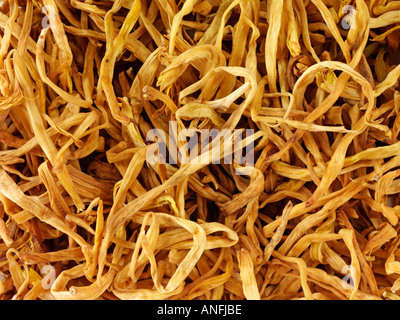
point(213, 149)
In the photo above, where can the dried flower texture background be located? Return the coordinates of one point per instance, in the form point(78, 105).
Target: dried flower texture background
point(84, 215)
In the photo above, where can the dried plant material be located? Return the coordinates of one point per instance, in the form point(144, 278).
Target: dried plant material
point(212, 150)
point(247, 275)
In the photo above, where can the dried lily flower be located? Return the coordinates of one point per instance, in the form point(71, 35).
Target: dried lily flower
point(213, 149)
